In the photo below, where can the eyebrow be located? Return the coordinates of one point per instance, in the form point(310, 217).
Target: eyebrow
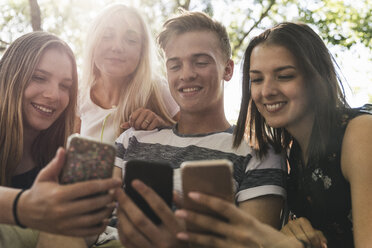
point(48, 74)
point(131, 31)
point(194, 56)
point(197, 55)
point(276, 69)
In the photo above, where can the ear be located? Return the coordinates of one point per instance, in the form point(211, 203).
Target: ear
point(229, 70)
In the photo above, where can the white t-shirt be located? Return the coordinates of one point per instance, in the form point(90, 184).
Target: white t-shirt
point(97, 121)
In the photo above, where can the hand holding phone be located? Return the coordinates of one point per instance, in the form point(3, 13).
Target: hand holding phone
point(87, 159)
point(212, 177)
point(157, 175)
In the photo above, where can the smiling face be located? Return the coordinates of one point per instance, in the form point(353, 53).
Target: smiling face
point(196, 71)
point(47, 93)
point(118, 51)
point(278, 87)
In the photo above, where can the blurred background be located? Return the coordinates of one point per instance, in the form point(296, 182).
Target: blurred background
point(345, 26)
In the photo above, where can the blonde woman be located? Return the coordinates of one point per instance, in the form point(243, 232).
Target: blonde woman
point(121, 86)
point(38, 92)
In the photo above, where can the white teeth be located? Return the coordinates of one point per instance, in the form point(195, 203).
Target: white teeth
point(273, 107)
point(190, 89)
point(44, 109)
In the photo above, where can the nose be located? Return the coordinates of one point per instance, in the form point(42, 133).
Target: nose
point(52, 91)
point(117, 45)
point(269, 88)
point(188, 73)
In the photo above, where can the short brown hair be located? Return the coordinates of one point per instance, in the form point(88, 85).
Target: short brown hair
point(189, 21)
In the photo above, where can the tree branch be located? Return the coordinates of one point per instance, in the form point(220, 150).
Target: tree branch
point(263, 15)
point(35, 15)
point(185, 6)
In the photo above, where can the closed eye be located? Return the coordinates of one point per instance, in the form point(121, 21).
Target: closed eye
point(174, 67)
point(256, 80)
point(201, 64)
point(132, 41)
point(38, 78)
point(65, 86)
point(107, 37)
point(285, 77)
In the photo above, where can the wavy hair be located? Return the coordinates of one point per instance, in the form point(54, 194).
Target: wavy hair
point(322, 82)
point(143, 89)
point(16, 69)
point(189, 21)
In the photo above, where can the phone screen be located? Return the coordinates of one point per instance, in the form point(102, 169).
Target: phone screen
point(157, 175)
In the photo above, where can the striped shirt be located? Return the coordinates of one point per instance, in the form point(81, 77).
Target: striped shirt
point(252, 177)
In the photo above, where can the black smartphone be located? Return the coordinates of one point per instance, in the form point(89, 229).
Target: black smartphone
point(157, 175)
point(87, 159)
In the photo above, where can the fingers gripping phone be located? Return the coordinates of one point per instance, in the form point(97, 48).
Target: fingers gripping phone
point(157, 175)
point(87, 159)
point(212, 177)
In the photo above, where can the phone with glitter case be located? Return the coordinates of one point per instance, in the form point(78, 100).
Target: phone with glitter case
point(87, 159)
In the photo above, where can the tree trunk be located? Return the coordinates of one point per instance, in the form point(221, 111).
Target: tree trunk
point(35, 15)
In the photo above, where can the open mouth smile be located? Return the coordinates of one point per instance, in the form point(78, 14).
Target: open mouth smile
point(274, 107)
point(43, 109)
point(189, 90)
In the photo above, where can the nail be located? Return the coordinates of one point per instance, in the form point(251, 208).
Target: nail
point(194, 195)
point(111, 205)
point(182, 236)
point(138, 185)
point(181, 213)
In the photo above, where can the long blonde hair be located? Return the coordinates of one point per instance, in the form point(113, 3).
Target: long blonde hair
point(16, 69)
point(143, 89)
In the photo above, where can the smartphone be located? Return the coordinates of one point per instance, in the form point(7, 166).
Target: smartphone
point(212, 177)
point(157, 175)
point(87, 159)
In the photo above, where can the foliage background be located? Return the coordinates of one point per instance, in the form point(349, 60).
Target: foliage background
point(345, 26)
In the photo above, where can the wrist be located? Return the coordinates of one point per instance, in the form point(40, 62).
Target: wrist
point(15, 209)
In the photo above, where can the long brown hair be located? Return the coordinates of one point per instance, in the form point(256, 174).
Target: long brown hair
point(16, 69)
point(323, 83)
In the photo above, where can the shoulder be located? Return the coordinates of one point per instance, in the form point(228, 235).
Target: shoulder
point(125, 135)
point(271, 160)
point(356, 151)
point(143, 135)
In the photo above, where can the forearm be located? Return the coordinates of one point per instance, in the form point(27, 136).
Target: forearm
point(266, 209)
point(7, 196)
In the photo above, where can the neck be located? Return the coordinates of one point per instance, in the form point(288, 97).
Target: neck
point(302, 133)
point(106, 92)
point(201, 123)
point(27, 162)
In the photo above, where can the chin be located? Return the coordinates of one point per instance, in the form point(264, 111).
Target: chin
point(41, 127)
point(274, 124)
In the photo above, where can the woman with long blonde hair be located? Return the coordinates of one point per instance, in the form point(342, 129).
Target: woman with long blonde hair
point(121, 83)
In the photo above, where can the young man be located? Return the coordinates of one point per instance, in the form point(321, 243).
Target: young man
point(197, 52)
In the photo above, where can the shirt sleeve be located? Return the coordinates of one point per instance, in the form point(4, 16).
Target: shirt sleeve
point(266, 176)
point(121, 144)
